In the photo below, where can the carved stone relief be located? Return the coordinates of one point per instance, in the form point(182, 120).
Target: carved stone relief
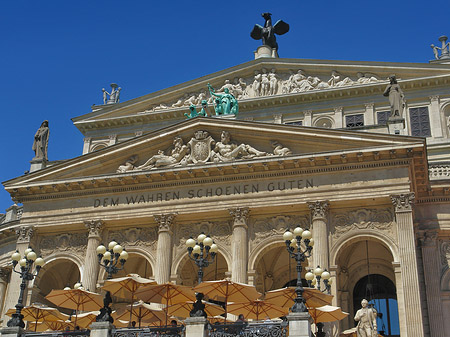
point(219, 231)
point(200, 149)
point(24, 234)
point(445, 254)
point(403, 202)
point(136, 236)
point(376, 219)
point(266, 82)
point(73, 242)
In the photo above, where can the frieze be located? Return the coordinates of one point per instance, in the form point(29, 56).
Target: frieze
point(376, 219)
point(269, 82)
point(262, 229)
point(201, 149)
point(73, 242)
point(135, 236)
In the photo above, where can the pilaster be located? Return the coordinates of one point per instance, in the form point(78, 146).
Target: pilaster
point(319, 229)
point(164, 247)
point(239, 244)
point(338, 117)
point(91, 266)
point(308, 118)
point(431, 267)
point(408, 264)
point(87, 144)
point(435, 117)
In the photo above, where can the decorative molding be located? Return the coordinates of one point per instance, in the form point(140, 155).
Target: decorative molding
point(165, 221)
point(319, 209)
point(135, 236)
point(403, 202)
point(95, 227)
point(75, 242)
point(24, 234)
point(240, 216)
point(434, 98)
point(375, 219)
point(439, 171)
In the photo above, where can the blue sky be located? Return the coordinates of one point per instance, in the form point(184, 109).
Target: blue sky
point(57, 55)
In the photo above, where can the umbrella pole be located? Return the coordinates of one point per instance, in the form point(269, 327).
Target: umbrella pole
point(35, 325)
point(140, 317)
point(131, 311)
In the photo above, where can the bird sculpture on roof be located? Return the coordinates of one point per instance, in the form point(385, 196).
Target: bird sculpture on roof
point(267, 33)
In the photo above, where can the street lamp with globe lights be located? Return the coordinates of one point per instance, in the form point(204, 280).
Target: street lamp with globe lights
point(313, 278)
point(293, 245)
point(26, 274)
point(110, 257)
point(202, 252)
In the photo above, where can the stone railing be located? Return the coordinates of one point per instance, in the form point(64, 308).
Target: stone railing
point(439, 171)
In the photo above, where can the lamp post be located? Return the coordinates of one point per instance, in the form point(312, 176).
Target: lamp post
point(313, 278)
point(26, 274)
point(202, 252)
point(110, 257)
point(293, 246)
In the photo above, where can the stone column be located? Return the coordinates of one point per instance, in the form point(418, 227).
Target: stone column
point(164, 247)
point(24, 236)
point(239, 244)
point(91, 266)
point(435, 117)
point(4, 280)
point(369, 114)
point(319, 229)
point(432, 269)
point(408, 265)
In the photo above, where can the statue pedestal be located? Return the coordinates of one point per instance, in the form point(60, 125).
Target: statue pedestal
point(299, 324)
point(195, 326)
point(101, 329)
point(229, 116)
point(37, 164)
point(13, 331)
point(265, 51)
point(396, 125)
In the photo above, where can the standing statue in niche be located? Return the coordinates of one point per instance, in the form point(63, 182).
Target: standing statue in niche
point(267, 33)
point(40, 144)
point(114, 96)
point(396, 97)
point(367, 321)
point(226, 103)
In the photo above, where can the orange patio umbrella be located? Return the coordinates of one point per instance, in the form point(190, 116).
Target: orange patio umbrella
point(257, 309)
point(327, 313)
point(141, 312)
point(39, 313)
point(183, 309)
point(284, 297)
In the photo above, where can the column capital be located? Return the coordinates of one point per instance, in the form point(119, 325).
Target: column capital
point(369, 105)
point(403, 202)
point(434, 98)
point(338, 109)
point(24, 234)
point(308, 113)
point(4, 274)
point(427, 238)
point(240, 215)
point(95, 227)
point(319, 209)
point(165, 221)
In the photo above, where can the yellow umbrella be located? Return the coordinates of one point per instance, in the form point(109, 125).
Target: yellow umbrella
point(85, 319)
point(257, 308)
point(54, 326)
point(141, 312)
point(39, 313)
point(284, 297)
point(126, 287)
point(327, 313)
point(183, 309)
point(227, 291)
point(78, 299)
point(167, 293)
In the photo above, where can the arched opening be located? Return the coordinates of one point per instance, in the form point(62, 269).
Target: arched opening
point(56, 274)
point(358, 261)
point(381, 294)
point(275, 269)
point(136, 264)
point(188, 271)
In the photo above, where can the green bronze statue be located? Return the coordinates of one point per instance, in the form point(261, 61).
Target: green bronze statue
point(226, 103)
point(193, 112)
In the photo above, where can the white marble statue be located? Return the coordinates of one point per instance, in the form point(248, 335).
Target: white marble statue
point(226, 150)
point(178, 152)
point(367, 321)
point(256, 86)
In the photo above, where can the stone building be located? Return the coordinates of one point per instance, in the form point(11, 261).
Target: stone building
point(311, 146)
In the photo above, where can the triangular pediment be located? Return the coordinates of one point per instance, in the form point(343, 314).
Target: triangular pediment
point(151, 156)
point(321, 77)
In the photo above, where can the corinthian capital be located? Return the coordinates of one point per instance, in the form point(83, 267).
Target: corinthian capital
point(403, 202)
point(165, 221)
point(428, 238)
point(24, 234)
point(240, 215)
point(95, 227)
point(4, 274)
point(318, 209)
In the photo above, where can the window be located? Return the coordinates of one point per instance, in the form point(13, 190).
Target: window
point(297, 123)
point(382, 117)
point(352, 121)
point(420, 122)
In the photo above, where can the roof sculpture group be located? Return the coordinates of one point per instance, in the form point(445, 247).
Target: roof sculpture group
point(445, 53)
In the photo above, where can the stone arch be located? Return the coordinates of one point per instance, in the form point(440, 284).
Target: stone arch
point(445, 108)
point(98, 146)
point(324, 122)
point(186, 270)
point(139, 262)
point(59, 271)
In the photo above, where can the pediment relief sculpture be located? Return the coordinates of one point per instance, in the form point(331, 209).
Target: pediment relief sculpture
point(200, 149)
point(266, 82)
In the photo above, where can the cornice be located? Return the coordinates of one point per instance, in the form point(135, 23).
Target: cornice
point(220, 172)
